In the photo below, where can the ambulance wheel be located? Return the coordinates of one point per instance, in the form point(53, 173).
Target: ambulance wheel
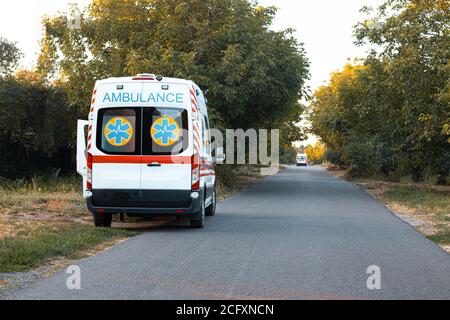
point(102, 220)
point(198, 221)
point(211, 210)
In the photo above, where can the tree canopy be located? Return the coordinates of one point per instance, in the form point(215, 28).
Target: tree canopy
point(392, 111)
point(255, 76)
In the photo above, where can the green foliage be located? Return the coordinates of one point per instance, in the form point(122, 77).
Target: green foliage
point(37, 125)
point(364, 155)
point(334, 158)
point(255, 76)
point(9, 56)
point(415, 35)
point(392, 111)
point(288, 154)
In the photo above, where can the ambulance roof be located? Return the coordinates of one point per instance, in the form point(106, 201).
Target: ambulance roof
point(151, 78)
point(144, 77)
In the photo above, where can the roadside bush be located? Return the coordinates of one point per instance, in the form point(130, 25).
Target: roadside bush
point(441, 167)
point(364, 156)
point(335, 158)
point(226, 175)
point(288, 155)
point(37, 128)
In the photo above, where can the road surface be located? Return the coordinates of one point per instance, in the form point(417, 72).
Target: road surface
point(302, 234)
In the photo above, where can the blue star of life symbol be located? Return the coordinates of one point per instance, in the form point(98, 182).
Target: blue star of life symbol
point(119, 132)
point(165, 130)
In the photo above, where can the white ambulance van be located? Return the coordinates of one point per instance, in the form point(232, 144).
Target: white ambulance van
point(302, 160)
point(146, 150)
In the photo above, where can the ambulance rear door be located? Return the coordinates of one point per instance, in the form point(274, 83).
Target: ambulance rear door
point(116, 173)
point(166, 170)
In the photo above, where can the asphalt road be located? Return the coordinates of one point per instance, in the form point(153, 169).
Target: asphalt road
point(302, 234)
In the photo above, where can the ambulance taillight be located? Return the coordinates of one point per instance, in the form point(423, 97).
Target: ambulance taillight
point(89, 172)
point(195, 172)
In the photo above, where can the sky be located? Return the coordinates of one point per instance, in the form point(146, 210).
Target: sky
point(324, 26)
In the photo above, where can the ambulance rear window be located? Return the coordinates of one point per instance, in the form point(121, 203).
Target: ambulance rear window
point(118, 131)
point(165, 131)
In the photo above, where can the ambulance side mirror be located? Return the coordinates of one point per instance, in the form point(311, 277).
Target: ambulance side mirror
point(219, 157)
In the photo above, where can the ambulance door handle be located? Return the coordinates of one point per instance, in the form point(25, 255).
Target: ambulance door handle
point(154, 164)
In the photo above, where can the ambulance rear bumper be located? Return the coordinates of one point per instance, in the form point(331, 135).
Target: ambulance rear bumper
point(193, 208)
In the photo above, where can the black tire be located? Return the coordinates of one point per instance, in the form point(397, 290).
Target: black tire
point(198, 221)
point(211, 210)
point(102, 220)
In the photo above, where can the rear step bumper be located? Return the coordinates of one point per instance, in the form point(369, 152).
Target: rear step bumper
point(193, 208)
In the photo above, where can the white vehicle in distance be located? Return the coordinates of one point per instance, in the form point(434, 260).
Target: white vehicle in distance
point(146, 150)
point(302, 160)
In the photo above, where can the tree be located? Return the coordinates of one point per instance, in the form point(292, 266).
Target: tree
point(315, 153)
point(319, 152)
point(37, 126)
point(9, 56)
point(309, 151)
point(414, 38)
point(255, 76)
point(355, 117)
point(390, 112)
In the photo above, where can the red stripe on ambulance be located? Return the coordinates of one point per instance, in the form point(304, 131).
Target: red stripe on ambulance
point(89, 145)
point(141, 159)
point(196, 157)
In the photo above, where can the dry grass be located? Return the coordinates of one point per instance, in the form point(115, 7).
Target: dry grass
point(24, 209)
point(37, 206)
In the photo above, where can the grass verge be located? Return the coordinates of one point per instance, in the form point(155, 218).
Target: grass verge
point(34, 245)
point(46, 219)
